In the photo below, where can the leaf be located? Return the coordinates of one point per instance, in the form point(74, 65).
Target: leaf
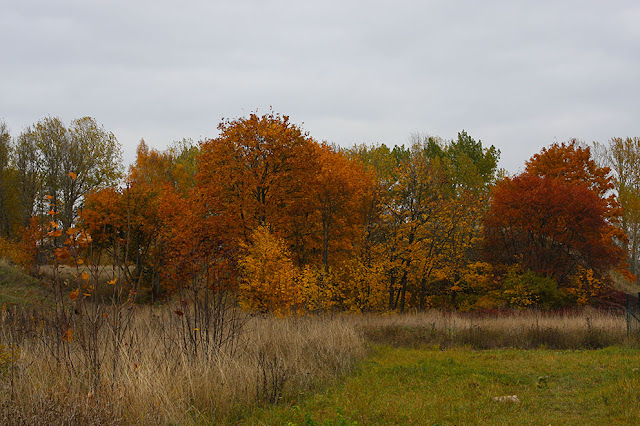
point(56, 233)
point(73, 175)
point(74, 294)
point(61, 254)
point(85, 276)
point(113, 281)
point(67, 336)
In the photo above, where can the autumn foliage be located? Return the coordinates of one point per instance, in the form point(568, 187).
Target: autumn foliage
point(558, 220)
point(549, 225)
point(271, 280)
point(288, 225)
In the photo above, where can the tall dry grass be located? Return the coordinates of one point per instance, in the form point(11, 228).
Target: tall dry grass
point(155, 378)
point(585, 329)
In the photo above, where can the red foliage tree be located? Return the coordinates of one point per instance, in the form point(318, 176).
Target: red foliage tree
point(551, 226)
point(572, 162)
point(559, 219)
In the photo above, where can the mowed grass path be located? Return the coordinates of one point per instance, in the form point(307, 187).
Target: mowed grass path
point(457, 386)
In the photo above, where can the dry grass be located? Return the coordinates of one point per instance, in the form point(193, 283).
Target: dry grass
point(586, 329)
point(623, 284)
point(157, 382)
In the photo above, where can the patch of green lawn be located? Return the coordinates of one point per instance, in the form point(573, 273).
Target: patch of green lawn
point(18, 288)
point(457, 386)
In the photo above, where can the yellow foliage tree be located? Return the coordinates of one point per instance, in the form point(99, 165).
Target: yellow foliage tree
point(365, 286)
point(320, 290)
point(270, 279)
point(586, 285)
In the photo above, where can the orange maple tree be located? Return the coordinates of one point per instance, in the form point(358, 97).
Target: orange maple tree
point(255, 173)
point(339, 191)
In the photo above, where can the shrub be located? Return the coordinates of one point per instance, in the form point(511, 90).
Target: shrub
point(525, 289)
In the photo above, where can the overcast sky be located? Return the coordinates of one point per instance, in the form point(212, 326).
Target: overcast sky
point(515, 74)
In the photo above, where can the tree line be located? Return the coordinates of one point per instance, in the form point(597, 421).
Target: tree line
point(288, 224)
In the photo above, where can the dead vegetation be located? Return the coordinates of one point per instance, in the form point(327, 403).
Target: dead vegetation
point(584, 329)
point(156, 376)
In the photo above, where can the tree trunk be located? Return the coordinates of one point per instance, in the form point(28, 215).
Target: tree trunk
point(423, 293)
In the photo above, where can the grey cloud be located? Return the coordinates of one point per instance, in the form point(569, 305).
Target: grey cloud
point(516, 74)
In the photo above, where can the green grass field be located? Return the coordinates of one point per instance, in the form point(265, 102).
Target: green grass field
point(457, 386)
point(18, 288)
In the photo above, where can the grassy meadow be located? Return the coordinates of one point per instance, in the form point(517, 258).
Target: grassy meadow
point(200, 360)
point(458, 386)
point(17, 288)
